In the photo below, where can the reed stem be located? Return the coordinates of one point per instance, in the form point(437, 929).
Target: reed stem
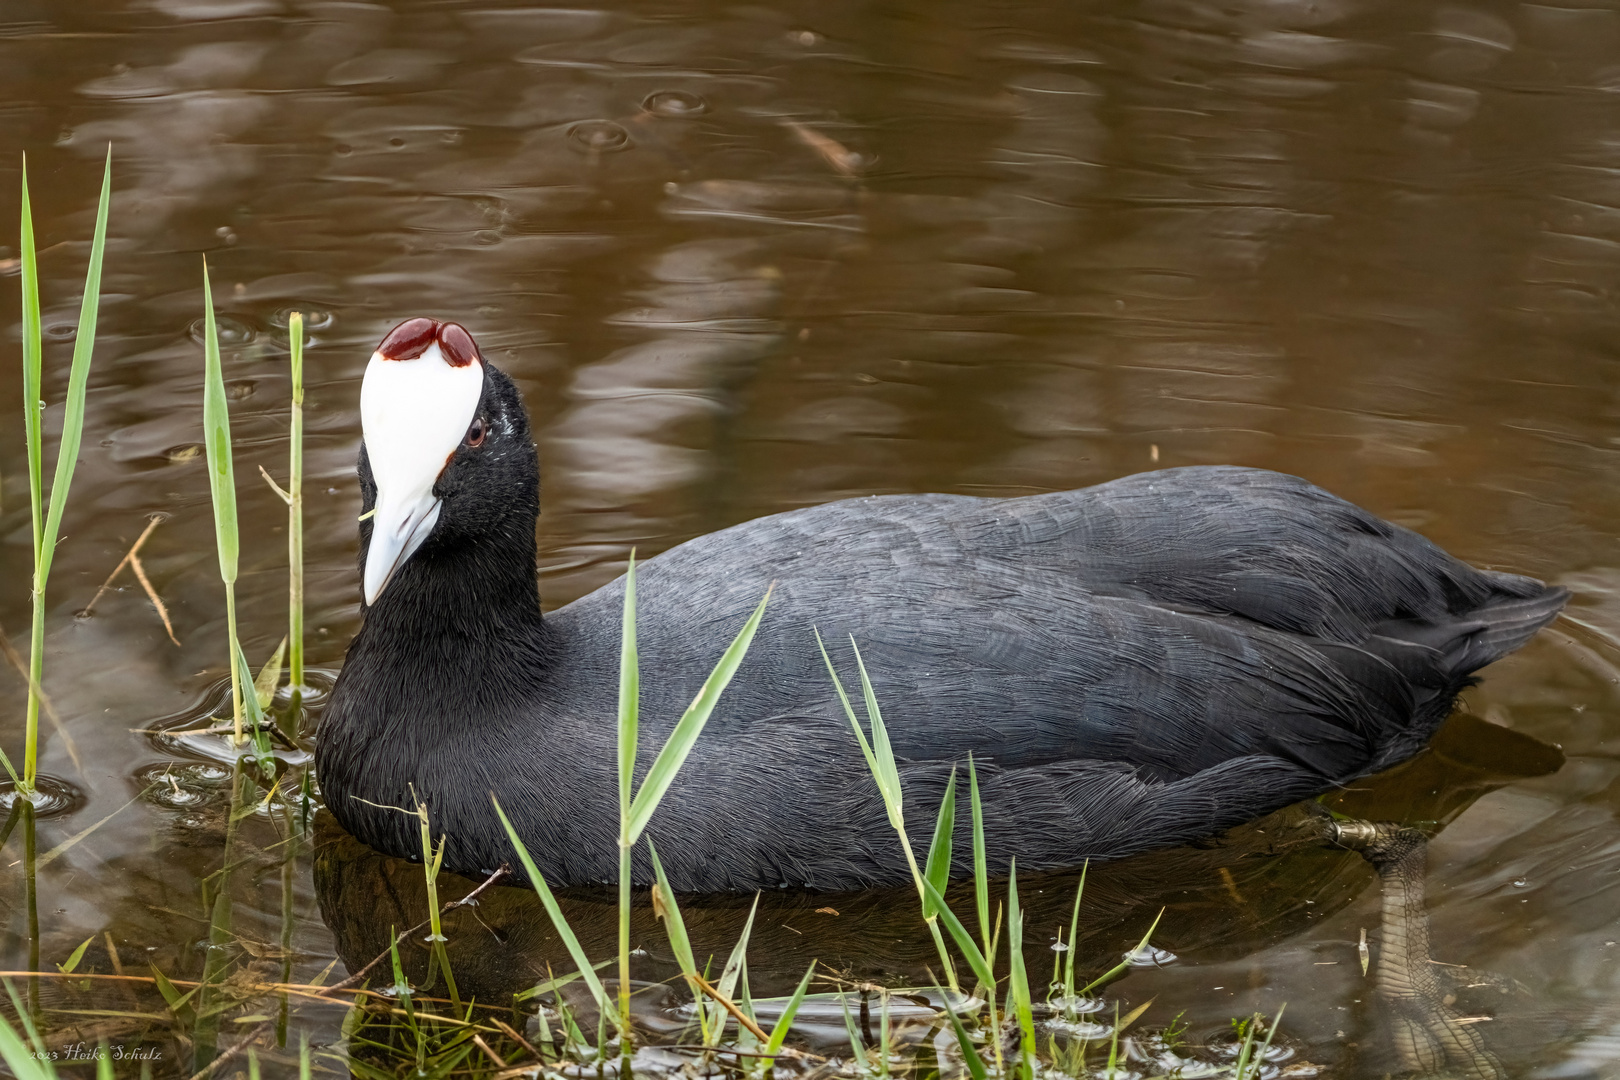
point(36, 671)
point(624, 945)
point(33, 358)
point(295, 508)
point(236, 676)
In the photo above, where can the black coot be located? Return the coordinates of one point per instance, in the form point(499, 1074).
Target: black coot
point(1131, 666)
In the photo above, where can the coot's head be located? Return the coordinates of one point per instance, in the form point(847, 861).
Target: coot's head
point(447, 463)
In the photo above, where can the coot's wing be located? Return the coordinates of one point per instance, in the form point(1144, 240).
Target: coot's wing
point(1168, 621)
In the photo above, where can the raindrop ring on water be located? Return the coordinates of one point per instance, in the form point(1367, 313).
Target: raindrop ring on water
point(316, 319)
point(51, 796)
point(598, 136)
point(675, 103)
point(232, 331)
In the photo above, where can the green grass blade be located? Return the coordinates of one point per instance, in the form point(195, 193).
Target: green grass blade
point(264, 684)
point(690, 726)
point(779, 1033)
point(33, 361)
point(217, 441)
point(1018, 978)
point(981, 872)
point(938, 869)
point(879, 756)
point(72, 961)
point(970, 1053)
point(558, 921)
point(964, 940)
point(679, 941)
point(1120, 967)
point(854, 722)
point(629, 697)
point(1259, 1060)
point(67, 454)
point(856, 1043)
point(19, 1056)
point(1074, 929)
point(251, 710)
point(733, 969)
point(553, 983)
point(880, 735)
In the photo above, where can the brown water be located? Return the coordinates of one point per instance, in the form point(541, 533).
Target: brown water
point(747, 258)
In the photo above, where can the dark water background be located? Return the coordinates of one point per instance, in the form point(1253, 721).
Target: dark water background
point(1375, 244)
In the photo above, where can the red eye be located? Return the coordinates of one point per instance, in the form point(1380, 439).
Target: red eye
point(475, 434)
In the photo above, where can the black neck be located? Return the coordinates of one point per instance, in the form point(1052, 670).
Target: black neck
point(464, 611)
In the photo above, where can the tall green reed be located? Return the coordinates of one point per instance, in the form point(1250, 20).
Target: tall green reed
point(222, 490)
point(293, 496)
point(47, 517)
point(24, 1053)
point(636, 805)
point(880, 760)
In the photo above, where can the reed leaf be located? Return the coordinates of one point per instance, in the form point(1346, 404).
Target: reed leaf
point(679, 941)
point(264, 684)
point(21, 1058)
point(84, 342)
point(248, 705)
point(690, 726)
point(558, 921)
point(1018, 977)
point(629, 699)
point(784, 1024)
point(879, 756)
point(938, 867)
point(729, 974)
point(1074, 929)
point(970, 1053)
point(33, 363)
point(72, 962)
point(1120, 967)
point(964, 940)
point(217, 441)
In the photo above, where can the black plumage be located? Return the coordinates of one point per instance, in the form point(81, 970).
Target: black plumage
point(1131, 666)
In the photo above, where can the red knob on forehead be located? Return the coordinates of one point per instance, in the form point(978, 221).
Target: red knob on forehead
point(458, 346)
point(409, 339)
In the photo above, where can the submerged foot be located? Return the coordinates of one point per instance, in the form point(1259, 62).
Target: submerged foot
point(1430, 1039)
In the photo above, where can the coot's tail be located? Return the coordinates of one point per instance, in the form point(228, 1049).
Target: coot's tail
point(1507, 622)
point(1438, 657)
point(1441, 653)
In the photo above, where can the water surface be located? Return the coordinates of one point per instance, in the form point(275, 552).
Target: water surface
point(742, 259)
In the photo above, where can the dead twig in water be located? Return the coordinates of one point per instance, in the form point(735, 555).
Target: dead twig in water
point(513, 1034)
point(231, 1051)
point(471, 898)
point(478, 1041)
point(132, 559)
point(743, 1019)
point(832, 151)
point(16, 661)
